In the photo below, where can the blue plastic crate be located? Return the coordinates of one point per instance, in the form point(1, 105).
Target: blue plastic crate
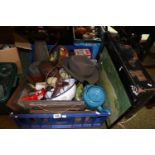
point(65, 120)
point(60, 121)
point(96, 47)
point(96, 44)
point(93, 47)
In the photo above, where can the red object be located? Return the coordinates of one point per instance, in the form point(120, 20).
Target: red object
point(37, 96)
point(85, 52)
point(63, 52)
point(81, 30)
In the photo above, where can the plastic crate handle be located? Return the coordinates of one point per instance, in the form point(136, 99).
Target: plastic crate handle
point(107, 110)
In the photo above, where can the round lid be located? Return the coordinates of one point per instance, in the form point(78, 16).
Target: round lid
point(96, 94)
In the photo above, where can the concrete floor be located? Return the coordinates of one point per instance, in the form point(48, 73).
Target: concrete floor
point(6, 122)
point(143, 119)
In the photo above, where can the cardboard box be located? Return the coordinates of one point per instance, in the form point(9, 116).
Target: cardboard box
point(17, 41)
point(21, 42)
point(9, 36)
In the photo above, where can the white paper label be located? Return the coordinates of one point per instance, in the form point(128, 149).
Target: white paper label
point(56, 115)
point(64, 116)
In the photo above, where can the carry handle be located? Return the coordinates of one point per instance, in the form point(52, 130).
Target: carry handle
point(100, 109)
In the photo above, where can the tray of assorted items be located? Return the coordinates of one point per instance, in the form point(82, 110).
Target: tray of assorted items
point(62, 89)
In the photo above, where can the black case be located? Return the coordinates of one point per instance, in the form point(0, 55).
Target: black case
point(137, 82)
